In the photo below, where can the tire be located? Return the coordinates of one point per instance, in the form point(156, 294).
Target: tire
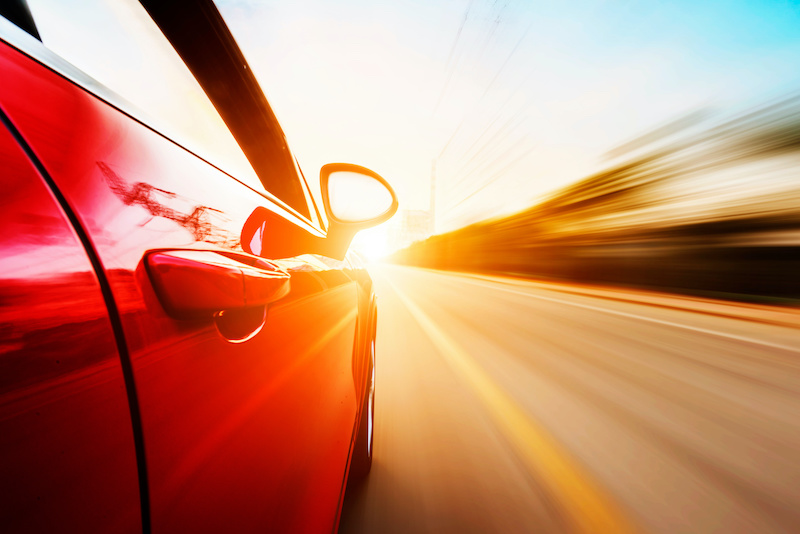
point(361, 461)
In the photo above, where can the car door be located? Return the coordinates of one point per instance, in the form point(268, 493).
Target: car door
point(67, 448)
point(242, 431)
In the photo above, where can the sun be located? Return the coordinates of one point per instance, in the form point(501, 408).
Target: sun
point(373, 244)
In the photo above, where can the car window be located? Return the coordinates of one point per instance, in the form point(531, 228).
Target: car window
point(118, 44)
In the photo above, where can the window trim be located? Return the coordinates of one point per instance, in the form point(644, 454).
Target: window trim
point(28, 45)
point(18, 12)
point(316, 216)
point(200, 36)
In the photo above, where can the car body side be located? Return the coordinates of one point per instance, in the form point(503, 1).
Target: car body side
point(217, 435)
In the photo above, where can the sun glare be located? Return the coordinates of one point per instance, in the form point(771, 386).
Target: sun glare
point(373, 244)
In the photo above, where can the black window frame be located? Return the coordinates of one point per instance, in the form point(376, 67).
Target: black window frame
point(18, 12)
point(200, 36)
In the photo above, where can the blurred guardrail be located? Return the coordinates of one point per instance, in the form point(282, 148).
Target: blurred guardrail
point(708, 204)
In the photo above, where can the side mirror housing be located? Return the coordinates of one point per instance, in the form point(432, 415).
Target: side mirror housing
point(354, 198)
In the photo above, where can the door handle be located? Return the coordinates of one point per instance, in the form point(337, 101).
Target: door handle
point(193, 283)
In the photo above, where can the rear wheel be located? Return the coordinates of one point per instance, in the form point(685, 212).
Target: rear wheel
point(361, 462)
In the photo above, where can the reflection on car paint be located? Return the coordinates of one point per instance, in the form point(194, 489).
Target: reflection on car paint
point(66, 439)
point(143, 194)
point(240, 425)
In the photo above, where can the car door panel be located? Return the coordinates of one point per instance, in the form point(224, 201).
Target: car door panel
point(66, 436)
point(238, 436)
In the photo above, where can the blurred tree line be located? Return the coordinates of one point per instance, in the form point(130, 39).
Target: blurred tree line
point(706, 204)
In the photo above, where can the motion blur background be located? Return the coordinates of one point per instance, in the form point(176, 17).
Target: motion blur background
point(626, 133)
point(634, 167)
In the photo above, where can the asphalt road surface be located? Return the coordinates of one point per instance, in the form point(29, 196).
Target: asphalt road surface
point(512, 406)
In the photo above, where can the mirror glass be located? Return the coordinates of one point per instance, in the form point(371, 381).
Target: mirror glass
point(355, 197)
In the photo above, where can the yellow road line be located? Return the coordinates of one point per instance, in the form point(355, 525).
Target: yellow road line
point(588, 508)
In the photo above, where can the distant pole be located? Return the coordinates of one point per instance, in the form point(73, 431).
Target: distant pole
point(433, 198)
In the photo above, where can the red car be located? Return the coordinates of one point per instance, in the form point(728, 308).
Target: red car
point(186, 346)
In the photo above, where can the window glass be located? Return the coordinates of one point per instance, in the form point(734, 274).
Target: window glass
point(118, 44)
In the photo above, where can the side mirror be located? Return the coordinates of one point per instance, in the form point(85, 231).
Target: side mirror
point(355, 198)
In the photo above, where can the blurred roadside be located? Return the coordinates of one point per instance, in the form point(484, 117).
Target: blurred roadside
point(745, 311)
point(707, 205)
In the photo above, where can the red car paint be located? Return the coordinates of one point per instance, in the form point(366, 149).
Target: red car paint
point(67, 452)
point(120, 411)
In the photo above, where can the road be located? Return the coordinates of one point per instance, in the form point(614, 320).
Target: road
point(509, 406)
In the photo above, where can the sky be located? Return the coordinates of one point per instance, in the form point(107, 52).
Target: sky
point(509, 100)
